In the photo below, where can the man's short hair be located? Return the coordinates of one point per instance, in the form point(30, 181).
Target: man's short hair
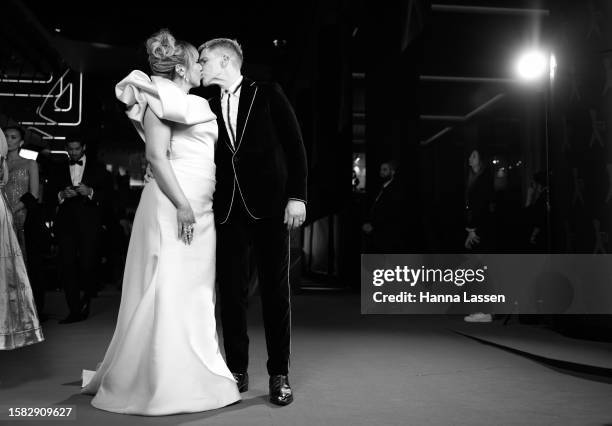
point(223, 43)
point(18, 129)
point(75, 141)
point(393, 164)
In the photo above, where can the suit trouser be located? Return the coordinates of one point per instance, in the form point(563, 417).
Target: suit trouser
point(78, 256)
point(266, 240)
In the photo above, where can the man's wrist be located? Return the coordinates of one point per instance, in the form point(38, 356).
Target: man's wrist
point(297, 199)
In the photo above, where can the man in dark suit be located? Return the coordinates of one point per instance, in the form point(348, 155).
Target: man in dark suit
point(79, 186)
point(260, 196)
point(385, 226)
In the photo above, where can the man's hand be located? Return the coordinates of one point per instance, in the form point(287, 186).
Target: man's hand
point(367, 228)
point(472, 239)
point(84, 190)
point(295, 214)
point(68, 192)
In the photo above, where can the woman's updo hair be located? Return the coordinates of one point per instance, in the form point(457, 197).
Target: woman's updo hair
point(165, 52)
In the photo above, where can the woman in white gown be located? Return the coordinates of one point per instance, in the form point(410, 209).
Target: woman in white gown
point(164, 356)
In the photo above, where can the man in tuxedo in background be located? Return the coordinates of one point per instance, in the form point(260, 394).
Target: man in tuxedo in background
point(79, 186)
point(260, 196)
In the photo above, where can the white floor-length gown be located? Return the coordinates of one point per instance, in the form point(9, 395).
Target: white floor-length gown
point(164, 356)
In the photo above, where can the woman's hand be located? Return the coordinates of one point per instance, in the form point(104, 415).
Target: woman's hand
point(186, 221)
point(472, 239)
point(18, 206)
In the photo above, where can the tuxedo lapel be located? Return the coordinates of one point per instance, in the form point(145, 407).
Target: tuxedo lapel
point(86, 178)
point(215, 104)
point(247, 98)
point(90, 173)
point(66, 177)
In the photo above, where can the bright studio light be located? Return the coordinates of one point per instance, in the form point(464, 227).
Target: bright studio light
point(532, 65)
point(28, 153)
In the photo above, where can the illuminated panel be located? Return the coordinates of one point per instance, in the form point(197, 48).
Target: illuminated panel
point(58, 102)
point(22, 80)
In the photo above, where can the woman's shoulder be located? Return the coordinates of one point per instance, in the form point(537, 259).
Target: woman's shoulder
point(135, 81)
point(136, 76)
point(24, 163)
point(163, 97)
point(134, 87)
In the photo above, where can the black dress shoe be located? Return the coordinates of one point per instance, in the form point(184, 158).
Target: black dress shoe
point(280, 390)
point(71, 318)
point(242, 380)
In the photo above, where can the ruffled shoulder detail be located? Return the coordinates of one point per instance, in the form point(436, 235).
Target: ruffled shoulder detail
point(167, 101)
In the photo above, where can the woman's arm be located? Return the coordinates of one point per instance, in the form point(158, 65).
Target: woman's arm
point(157, 139)
point(29, 199)
point(3, 169)
point(34, 179)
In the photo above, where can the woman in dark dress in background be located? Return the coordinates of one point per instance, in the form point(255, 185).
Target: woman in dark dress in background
point(479, 208)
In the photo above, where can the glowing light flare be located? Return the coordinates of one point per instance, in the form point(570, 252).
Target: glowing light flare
point(553, 66)
point(531, 65)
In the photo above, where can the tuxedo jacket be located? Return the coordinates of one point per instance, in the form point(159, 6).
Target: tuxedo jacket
point(79, 209)
point(267, 166)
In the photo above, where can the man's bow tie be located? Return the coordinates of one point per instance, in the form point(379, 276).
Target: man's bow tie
point(225, 92)
point(73, 162)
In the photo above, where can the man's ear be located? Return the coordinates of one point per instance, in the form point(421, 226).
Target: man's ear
point(225, 61)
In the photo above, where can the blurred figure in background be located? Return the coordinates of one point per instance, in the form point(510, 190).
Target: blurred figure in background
point(22, 179)
point(355, 181)
point(479, 208)
point(19, 325)
point(535, 213)
point(479, 205)
point(385, 225)
point(23, 193)
point(80, 186)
